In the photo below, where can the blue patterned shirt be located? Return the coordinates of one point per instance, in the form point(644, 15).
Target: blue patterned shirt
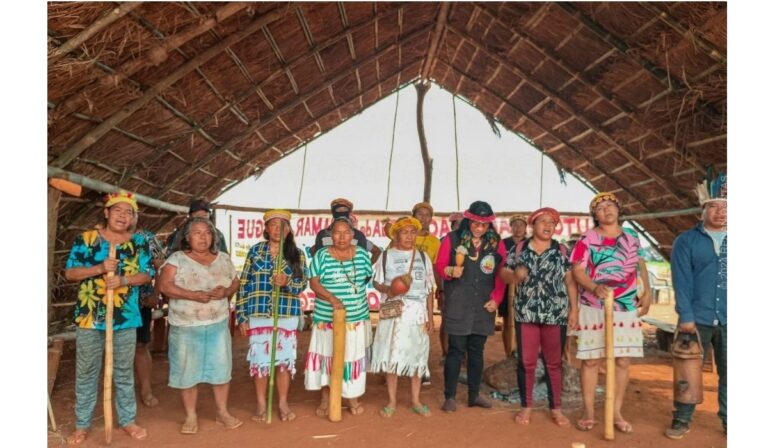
point(255, 298)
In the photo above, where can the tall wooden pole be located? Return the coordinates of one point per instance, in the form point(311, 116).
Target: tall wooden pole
point(421, 91)
point(337, 364)
point(275, 313)
point(509, 334)
point(108, 355)
point(610, 368)
point(54, 196)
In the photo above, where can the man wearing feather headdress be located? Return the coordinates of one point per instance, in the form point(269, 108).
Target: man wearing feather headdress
point(699, 275)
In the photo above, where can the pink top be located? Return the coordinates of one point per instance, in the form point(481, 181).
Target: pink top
point(444, 257)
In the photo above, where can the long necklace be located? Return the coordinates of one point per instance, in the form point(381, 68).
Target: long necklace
point(351, 281)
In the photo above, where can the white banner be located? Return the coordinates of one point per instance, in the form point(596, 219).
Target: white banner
point(244, 229)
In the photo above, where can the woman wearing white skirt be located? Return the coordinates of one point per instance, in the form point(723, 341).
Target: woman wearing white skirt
point(606, 258)
point(401, 345)
point(338, 275)
point(255, 310)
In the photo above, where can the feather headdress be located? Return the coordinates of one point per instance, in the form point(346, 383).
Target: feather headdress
point(712, 188)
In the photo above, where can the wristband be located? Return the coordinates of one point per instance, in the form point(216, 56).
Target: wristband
point(123, 281)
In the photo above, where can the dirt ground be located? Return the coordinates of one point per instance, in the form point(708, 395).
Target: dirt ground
point(648, 407)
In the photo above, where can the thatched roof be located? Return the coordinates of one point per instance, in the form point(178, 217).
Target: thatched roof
point(175, 100)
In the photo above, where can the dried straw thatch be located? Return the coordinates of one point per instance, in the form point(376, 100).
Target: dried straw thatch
point(175, 100)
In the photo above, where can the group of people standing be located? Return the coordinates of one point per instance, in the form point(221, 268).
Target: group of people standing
point(468, 271)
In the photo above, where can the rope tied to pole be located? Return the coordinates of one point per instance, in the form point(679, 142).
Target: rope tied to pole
point(392, 148)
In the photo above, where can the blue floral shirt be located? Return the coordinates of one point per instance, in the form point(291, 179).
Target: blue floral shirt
point(90, 249)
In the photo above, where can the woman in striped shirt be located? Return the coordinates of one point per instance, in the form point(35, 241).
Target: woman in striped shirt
point(339, 275)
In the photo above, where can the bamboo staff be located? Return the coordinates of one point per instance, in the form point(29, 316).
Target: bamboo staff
point(610, 367)
point(275, 312)
point(108, 356)
point(337, 365)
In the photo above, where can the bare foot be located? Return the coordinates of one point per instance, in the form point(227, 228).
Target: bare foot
point(135, 431)
point(286, 415)
point(524, 416)
point(355, 407)
point(77, 437)
point(322, 410)
point(559, 419)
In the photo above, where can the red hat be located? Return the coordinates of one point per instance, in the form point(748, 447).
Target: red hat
point(544, 211)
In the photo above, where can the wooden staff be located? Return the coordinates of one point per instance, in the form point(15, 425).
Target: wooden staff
point(610, 367)
point(510, 323)
point(108, 355)
point(275, 312)
point(337, 365)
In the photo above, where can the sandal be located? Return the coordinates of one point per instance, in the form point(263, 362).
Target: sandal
point(623, 426)
point(585, 424)
point(260, 418)
point(77, 437)
point(229, 422)
point(387, 412)
point(150, 400)
point(287, 416)
point(189, 427)
point(422, 410)
point(136, 432)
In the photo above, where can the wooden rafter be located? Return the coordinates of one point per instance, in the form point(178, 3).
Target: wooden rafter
point(323, 115)
point(599, 91)
point(561, 102)
point(152, 57)
point(616, 179)
point(99, 131)
point(661, 75)
point(688, 34)
point(276, 114)
point(101, 23)
point(314, 51)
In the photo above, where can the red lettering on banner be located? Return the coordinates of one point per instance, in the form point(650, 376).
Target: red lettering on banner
point(376, 229)
point(319, 224)
point(365, 228)
point(299, 227)
point(240, 228)
point(445, 227)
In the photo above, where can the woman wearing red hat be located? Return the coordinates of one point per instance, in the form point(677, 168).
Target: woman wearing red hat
point(545, 306)
point(468, 261)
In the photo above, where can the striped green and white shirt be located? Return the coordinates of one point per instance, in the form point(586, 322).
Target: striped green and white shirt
point(346, 280)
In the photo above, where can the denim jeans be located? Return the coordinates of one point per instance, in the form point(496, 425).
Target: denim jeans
point(718, 337)
point(89, 359)
point(457, 346)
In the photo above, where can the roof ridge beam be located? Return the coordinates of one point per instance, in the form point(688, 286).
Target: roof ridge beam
point(434, 42)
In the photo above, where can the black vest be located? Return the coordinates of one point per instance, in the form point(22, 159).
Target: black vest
point(465, 296)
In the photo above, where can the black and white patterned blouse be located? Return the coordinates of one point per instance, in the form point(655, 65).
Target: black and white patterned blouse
point(542, 298)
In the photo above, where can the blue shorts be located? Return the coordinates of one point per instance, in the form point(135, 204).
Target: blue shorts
point(201, 354)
